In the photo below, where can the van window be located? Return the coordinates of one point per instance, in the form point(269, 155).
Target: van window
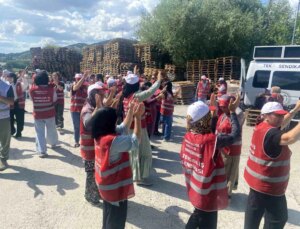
point(261, 79)
point(287, 80)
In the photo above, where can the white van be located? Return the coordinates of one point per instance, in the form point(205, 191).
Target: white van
point(272, 66)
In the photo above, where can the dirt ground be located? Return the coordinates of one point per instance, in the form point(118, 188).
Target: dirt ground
point(48, 193)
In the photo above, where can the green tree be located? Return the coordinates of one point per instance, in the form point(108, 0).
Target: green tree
point(201, 29)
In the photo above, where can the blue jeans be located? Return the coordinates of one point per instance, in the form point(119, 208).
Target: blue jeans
point(76, 125)
point(51, 135)
point(166, 126)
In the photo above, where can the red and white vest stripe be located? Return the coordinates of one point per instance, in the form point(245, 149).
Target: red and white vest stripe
point(78, 98)
point(167, 105)
point(114, 180)
point(204, 172)
point(87, 145)
point(263, 173)
point(203, 91)
point(43, 105)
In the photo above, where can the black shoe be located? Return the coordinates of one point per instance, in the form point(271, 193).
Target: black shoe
point(94, 203)
point(18, 135)
point(76, 145)
point(157, 133)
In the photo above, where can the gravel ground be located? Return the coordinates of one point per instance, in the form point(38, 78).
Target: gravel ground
point(48, 193)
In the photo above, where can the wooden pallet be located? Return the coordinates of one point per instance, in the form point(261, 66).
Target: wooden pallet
point(251, 116)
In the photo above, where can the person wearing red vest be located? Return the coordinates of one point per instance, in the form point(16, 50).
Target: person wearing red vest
point(268, 167)
point(113, 172)
point(202, 163)
point(60, 103)
point(78, 97)
point(141, 158)
point(222, 87)
point(231, 154)
point(166, 110)
point(44, 97)
point(203, 89)
point(95, 101)
point(17, 110)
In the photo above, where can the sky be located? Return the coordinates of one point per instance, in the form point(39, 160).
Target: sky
point(35, 23)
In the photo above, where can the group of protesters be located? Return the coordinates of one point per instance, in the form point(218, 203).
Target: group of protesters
point(114, 119)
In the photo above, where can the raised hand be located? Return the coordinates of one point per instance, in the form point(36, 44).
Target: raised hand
point(234, 104)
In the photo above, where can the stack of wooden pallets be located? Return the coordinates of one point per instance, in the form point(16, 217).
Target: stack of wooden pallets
point(186, 91)
point(92, 59)
point(226, 67)
point(251, 116)
point(63, 60)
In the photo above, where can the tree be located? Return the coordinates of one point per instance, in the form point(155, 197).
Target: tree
point(201, 29)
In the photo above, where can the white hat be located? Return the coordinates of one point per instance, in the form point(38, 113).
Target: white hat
point(132, 79)
point(273, 107)
point(100, 83)
point(129, 72)
point(107, 76)
point(94, 86)
point(78, 76)
point(203, 77)
point(197, 110)
point(5, 72)
point(111, 81)
point(221, 79)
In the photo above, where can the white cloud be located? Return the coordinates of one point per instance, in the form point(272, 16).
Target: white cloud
point(63, 22)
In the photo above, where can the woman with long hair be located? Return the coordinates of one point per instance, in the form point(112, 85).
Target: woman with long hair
point(113, 173)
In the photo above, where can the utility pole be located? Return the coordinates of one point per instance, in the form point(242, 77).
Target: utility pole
point(295, 24)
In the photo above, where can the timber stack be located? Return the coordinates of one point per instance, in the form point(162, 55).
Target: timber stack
point(226, 67)
point(185, 92)
point(63, 60)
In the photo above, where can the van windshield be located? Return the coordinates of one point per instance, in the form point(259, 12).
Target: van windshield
point(286, 80)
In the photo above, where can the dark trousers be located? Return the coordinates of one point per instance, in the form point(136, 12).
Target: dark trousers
point(114, 217)
point(18, 115)
point(59, 115)
point(202, 219)
point(274, 209)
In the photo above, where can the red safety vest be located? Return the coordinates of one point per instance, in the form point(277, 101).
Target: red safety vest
point(223, 91)
point(60, 95)
point(43, 105)
point(203, 92)
point(126, 102)
point(204, 172)
point(20, 94)
point(167, 105)
point(224, 127)
point(87, 145)
point(114, 180)
point(265, 174)
point(78, 98)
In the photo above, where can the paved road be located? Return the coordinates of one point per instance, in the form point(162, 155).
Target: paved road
point(48, 193)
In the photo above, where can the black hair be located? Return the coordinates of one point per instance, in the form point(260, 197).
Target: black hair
point(128, 89)
point(14, 76)
point(146, 86)
point(169, 88)
point(99, 77)
point(41, 78)
point(104, 122)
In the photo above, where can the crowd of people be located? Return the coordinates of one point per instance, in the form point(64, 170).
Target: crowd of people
point(114, 119)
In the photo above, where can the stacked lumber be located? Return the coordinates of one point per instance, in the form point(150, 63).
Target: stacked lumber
point(251, 116)
point(148, 72)
point(186, 90)
point(174, 73)
point(125, 67)
point(226, 67)
point(64, 60)
point(92, 59)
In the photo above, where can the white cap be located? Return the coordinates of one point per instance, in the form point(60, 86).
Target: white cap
point(5, 72)
point(94, 86)
point(129, 72)
point(107, 76)
point(203, 77)
point(78, 76)
point(197, 110)
point(100, 83)
point(111, 81)
point(273, 107)
point(221, 79)
point(132, 79)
